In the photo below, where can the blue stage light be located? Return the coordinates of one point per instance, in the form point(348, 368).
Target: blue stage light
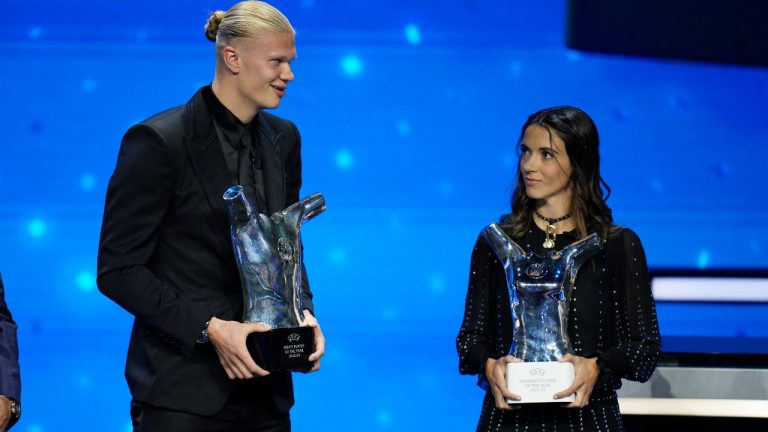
point(344, 159)
point(36, 228)
point(436, 283)
point(351, 65)
point(86, 281)
point(87, 182)
point(703, 260)
point(337, 256)
point(89, 86)
point(384, 418)
point(404, 128)
point(412, 34)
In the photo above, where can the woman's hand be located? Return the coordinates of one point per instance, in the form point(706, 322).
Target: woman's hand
point(496, 373)
point(586, 373)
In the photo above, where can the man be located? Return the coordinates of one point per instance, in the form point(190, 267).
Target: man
point(165, 253)
point(10, 379)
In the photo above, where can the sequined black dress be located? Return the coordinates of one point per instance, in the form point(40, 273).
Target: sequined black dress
point(612, 316)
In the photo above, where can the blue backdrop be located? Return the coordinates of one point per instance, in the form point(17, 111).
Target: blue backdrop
point(409, 113)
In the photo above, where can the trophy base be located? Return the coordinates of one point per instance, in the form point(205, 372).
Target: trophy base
point(283, 349)
point(537, 382)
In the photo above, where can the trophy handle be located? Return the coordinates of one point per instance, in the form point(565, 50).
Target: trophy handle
point(579, 252)
point(313, 206)
point(297, 213)
point(505, 249)
point(238, 206)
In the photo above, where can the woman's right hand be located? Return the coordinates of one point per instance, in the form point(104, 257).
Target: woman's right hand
point(496, 373)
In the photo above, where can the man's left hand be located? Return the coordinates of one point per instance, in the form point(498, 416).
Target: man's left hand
point(311, 321)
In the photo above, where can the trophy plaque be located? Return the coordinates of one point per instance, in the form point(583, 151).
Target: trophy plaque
point(268, 252)
point(540, 291)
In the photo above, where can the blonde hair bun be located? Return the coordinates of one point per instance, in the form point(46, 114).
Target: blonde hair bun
point(212, 26)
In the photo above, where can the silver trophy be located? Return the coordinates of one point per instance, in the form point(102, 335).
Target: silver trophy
point(539, 294)
point(269, 256)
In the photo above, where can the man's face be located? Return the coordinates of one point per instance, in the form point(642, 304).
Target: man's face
point(265, 68)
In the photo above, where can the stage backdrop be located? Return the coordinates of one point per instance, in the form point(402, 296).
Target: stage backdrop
point(409, 113)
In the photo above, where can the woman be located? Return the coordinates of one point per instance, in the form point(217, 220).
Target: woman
point(559, 199)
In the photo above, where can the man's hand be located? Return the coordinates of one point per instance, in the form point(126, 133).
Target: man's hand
point(5, 413)
point(586, 373)
point(496, 373)
point(228, 338)
point(311, 321)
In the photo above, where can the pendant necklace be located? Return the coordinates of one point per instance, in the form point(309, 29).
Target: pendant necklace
point(551, 232)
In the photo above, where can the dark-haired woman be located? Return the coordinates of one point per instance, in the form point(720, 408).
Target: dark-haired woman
point(559, 199)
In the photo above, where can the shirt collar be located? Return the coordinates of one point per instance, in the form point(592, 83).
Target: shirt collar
point(232, 128)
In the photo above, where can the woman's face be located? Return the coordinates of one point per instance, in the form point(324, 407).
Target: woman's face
point(545, 166)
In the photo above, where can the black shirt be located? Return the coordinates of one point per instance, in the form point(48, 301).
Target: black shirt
point(240, 145)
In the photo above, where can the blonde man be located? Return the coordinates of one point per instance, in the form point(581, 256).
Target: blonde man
point(165, 254)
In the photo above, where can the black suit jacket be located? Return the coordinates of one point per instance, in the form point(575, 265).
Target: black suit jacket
point(10, 378)
point(165, 253)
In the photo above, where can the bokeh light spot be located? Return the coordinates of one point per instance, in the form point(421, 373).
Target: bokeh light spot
point(84, 382)
point(384, 418)
point(703, 260)
point(404, 128)
point(337, 256)
point(344, 159)
point(89, 85)
point(412, 34)
point(446, 188)
point(87, 182)
point(657, 185)
point(351, 65)
point(36, 228)
point(85, 281)
point(436, 283)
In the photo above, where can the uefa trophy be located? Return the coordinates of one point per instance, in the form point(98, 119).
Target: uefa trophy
point(269, 257)
point(539, 294)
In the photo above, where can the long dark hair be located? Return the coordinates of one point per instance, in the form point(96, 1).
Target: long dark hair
point(590, 191)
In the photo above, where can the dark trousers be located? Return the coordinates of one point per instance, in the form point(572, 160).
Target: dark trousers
point(243, 412)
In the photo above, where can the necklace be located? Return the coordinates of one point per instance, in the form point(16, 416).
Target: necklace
point(549, 242)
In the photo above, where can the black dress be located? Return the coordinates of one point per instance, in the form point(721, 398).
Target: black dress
point(612, 316)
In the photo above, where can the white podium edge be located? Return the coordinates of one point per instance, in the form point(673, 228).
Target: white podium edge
point(694, 407)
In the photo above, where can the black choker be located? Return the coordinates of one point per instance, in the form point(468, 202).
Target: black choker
point(551, 232)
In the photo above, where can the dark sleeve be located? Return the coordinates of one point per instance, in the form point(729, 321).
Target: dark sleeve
point(293, 187)
point(634, 323)
point(10, 378)
point(138, 197)
point(475, 340)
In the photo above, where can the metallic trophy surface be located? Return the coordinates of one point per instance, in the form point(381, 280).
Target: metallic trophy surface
point(268, 252)
point(540, 291)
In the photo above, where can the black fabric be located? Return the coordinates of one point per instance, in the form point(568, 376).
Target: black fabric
point(10, 375)
point(165, 253)
point(241, 147)
point(612, 314)
point(245, 411)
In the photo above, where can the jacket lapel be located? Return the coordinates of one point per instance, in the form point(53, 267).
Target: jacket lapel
point(206, 156)
point(274, 179)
